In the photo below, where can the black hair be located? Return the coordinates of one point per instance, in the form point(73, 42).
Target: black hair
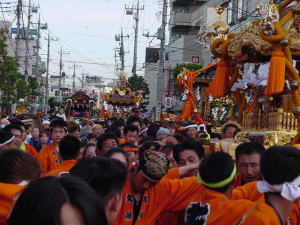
point(41, 202)
point(10, 127)
point(152, 130)
point(72, 127)
point(113, 130)
point(249, 148)
point(280, 164)
point(69, 147)
point(16, 165)
point(112, 151)
point(131, 129)
point(103, 137)
point(132, 119)
point(18, 122)
point(190, 145)
point(106, 176)
point(5, 136)
point(146, 139)
point(167, 149)
point(90, 136)
point(58, 123)
point(119, 123)
point(216, 167)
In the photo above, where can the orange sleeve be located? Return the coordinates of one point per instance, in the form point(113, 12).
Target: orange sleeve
point(177, 194)
point(295, 214)
point(248, 191)
point(173, 173)
point(43, 159)
point(122, 141)
point(31, 150)
point(7, 195)
point(258, 218)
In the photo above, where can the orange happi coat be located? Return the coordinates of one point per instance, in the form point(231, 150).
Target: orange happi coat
point(261, 214)
point(8, 192)
point(49, 158)
point(31, 150)
point(223, 211)
point(167, 196)
point(65, 167)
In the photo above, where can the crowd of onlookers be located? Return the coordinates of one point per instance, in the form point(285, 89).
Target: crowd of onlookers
point(136, 171)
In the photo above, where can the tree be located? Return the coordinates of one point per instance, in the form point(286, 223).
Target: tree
point(178, 68)
point(12, 83)
point(138, 83)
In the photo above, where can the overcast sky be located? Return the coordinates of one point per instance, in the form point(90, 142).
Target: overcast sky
point(86, 30)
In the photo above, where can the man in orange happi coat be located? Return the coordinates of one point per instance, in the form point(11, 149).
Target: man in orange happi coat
point(49, 157)
point(147, 194)
point(214, 206)
point(16, 130)
point(69, 148)
point(280, 168)
point(17, 169)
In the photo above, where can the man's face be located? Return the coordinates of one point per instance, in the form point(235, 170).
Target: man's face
point(132, 157)
point(141, 182)
point(229, 132)
point(98, 130)
point(76, 133)
point(57, 134)
point(18, 138)
point(249, 168)
point(192, 132)
point(108, 144)
point(61, 111)
point(131, 137)
point(173, 163)
point(188, 157)
point(35, 133)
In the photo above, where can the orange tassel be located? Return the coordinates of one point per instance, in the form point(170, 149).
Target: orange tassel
point(250, 108)
point(220, 82)
point(276, 73)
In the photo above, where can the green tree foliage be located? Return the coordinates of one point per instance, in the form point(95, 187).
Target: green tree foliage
point(138, 83)
point(12, 84)
point(178, 68)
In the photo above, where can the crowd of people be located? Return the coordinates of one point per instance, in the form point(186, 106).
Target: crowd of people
point(136, 171)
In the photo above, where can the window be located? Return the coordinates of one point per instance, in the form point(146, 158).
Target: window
point(240, 4)
point(229, 13)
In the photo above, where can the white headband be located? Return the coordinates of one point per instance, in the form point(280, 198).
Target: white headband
point(196, 126)
point(8, 141)
point(288, 190)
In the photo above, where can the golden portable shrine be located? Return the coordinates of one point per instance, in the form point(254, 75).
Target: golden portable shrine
point(121, 97)
point(256, 69)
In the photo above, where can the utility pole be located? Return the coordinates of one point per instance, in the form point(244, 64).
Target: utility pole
point(47, 71)
point(122, 54)
point(47, 75)
point(60, 70)
point(120, 38)
point(38, 49)
point(74, 76)
point(19, 12)
point(26, 40)
point(136, 32)
point(160, 75)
